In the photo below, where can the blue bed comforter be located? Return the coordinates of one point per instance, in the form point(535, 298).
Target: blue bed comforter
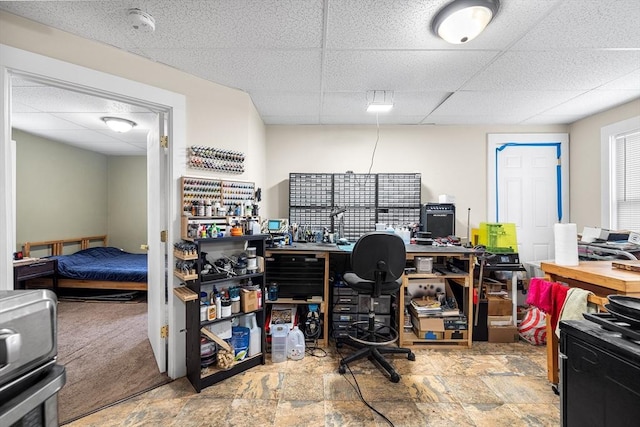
point(105, 263)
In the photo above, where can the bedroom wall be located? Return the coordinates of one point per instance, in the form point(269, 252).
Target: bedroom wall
point(127, 202)
point(61, 190)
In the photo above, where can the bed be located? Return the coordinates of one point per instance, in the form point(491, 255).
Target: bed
point(88, 263)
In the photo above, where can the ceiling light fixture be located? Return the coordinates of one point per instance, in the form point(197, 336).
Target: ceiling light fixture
point(379, 101)
point(119, 125)
point(463, 20)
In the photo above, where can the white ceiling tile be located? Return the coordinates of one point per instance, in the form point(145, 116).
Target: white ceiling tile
point(586, 24)
point(415, 104)
point(593, 102)
point(39, 121)
point(291, 120)
point(555, 70)
point(250, 69)
point(551, 119)
point(286, 103)
point(416, 71)
point(629, 82)
point(515, 106)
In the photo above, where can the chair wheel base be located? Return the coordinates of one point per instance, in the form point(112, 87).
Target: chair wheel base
point(411, 356)
point(395, 377)
point(341, 369)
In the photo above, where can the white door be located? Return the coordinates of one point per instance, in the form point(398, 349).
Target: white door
point(528, 186)
point(157, 186)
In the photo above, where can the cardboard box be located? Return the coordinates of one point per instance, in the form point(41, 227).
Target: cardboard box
point(499, 321)
point(499, 306)
point(503, 334)
point(435, 324)
point(428, 335)
point(248, 300)
point(456, 334)
point(428, 328)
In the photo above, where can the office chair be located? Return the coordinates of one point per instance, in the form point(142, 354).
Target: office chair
point(377, 263)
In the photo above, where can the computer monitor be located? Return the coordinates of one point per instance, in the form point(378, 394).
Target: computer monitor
point(277, 225)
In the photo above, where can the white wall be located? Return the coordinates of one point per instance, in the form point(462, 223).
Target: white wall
point(451, 159)
point(584, 139)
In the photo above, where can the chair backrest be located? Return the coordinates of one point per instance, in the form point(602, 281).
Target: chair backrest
point(379, 251)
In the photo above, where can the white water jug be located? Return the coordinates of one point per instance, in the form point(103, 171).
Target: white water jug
point(295, 344)
point(255, 337)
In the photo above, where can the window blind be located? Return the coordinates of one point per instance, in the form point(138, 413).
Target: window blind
point(627, 180)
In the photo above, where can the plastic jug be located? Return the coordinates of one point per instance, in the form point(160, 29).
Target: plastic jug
point(249, 321)
point(295, 344)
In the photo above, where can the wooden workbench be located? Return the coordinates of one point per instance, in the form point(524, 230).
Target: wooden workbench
point(596, 276)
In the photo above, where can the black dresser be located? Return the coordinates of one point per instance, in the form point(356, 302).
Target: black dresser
point(599, 373)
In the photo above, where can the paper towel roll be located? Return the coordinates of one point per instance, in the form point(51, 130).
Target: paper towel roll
point(566, 244)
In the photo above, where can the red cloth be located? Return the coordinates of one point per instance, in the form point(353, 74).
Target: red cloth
point(559, 294)
point(548, 297)
point(540, 294)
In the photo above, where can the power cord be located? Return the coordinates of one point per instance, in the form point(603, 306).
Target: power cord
point(356, 387)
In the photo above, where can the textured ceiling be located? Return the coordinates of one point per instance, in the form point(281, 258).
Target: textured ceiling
point(312, 61)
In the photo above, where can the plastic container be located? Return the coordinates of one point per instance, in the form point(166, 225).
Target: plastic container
point(295, 344)
point(279, 343)
point(255, 333)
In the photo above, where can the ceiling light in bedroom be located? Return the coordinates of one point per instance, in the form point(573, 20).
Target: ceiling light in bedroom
point(119, 125)
point(463, 20)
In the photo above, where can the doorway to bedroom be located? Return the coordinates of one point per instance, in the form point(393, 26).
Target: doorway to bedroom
point(96, 183)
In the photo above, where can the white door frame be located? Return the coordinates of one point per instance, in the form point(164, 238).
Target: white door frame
point(17, 61)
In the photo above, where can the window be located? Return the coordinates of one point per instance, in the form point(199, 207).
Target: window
point(621, 175)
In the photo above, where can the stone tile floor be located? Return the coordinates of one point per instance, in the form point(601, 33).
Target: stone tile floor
point(489, 385)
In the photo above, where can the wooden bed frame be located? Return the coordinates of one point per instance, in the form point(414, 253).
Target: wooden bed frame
point(56, 247)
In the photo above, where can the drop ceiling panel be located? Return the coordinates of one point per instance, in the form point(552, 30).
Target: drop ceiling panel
point(265, 24)
point(401, 70)
point(514, 106)
point(250, 69)
point(287, 103)
point(370, 119)
point(586, 24)
point(555, 70)
point(291, 120)
point(593, 102)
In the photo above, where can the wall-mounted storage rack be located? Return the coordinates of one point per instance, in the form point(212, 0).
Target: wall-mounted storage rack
point(390, 198)
point(210, 158)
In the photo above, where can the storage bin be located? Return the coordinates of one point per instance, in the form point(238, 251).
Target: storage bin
point(279, 343)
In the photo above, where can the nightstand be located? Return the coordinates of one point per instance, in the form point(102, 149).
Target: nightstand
point(27, 269)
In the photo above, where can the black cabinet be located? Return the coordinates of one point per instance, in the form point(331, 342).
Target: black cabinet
point(201, 374)
point(600, 377)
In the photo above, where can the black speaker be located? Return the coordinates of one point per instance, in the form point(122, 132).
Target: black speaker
point(439, 219)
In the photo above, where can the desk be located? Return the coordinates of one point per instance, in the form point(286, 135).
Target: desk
point(31, 269)
point(596, 276)
point(326, 250)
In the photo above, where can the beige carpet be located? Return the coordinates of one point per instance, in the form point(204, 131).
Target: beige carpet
point(106, 353)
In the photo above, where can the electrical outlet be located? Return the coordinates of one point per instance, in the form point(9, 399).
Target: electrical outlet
point(634, 238)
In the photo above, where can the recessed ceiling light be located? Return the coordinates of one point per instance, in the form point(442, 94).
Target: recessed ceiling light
point(379, 101)
point(119, 125)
